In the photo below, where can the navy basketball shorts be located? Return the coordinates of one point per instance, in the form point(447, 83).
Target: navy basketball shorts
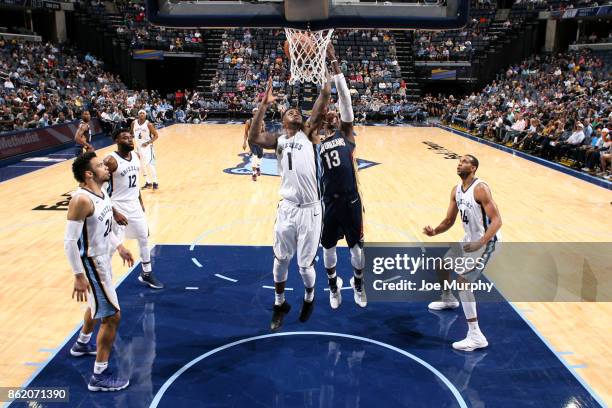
point(343, 216)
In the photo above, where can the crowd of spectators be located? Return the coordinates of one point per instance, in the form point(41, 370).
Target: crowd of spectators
point(551, 5)
point(593, 38)
point(42, 84)
point(554, 106)
point(462, 44)
point(367, 58)
point(139, 33)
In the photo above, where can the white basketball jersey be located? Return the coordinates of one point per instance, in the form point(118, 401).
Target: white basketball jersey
point(473, 217)
point(298, 168)
point(94, 239)
point(125, 181)
point(141, 132)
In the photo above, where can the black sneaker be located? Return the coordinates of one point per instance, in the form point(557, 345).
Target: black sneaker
point(155, 186)
point(279, 312)
point(150, 280)
point(306, 310)
point(147, 185)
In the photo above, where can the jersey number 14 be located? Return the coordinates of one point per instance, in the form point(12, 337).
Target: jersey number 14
point(464, 217)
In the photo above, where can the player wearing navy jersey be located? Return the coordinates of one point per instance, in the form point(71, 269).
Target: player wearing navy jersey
point(83, 135)
point(256, 151)
point(298, 221)
point(472, 200)
point(343, 214)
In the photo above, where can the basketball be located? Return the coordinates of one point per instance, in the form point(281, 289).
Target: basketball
point(304, 44)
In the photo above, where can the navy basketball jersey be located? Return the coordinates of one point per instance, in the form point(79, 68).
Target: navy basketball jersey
point(338, 165)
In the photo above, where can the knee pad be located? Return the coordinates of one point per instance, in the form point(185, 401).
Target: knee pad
point(357, 258)
point(329, 257)
point(308, 276)
point(280, 270)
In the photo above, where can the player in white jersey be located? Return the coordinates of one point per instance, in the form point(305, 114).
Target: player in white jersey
point(88, 242)
point(128, 208)
point(299, 214)
point(472, 200)
point(145, 134)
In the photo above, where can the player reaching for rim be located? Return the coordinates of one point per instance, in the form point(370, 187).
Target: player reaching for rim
point(343, 213)
point(299, 214)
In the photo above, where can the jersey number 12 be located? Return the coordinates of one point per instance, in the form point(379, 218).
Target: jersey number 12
point(132, 181)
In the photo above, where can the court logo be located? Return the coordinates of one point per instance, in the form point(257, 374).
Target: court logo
point(58, 206)
point(441, 150)
point(269, 165)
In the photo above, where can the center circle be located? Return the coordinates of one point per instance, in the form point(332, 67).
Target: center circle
point(309, 369)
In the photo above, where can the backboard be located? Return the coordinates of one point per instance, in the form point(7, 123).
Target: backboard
point(313, 14)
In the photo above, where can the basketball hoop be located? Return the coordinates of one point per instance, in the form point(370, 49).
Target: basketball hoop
point(307, 51)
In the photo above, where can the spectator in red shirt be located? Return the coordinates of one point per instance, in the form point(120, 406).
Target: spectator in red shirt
point(179, 97)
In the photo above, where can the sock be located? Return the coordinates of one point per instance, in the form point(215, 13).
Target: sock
point(447, 294)
point(358, 275)
point(473, 326)
point(84, 338)
point(309, 294)
point(468, 302)
point(145, 253)
point(153, 173)
point(279, 298)
point(332, 278)
point(100, 367)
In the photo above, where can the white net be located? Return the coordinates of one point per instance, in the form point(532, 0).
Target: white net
point(307, 51)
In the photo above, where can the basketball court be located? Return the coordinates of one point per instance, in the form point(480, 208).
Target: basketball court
point(204, 339)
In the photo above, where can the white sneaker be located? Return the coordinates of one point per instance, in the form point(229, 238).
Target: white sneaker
point(360, 296)
point(335, 299)
point(585, 169)
point(474, 340)
point(446, 302)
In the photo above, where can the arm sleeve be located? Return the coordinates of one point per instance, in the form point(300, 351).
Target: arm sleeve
point(74, 230)
point(345, 105)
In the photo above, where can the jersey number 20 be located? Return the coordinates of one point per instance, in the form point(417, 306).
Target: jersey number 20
point(108, 224)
